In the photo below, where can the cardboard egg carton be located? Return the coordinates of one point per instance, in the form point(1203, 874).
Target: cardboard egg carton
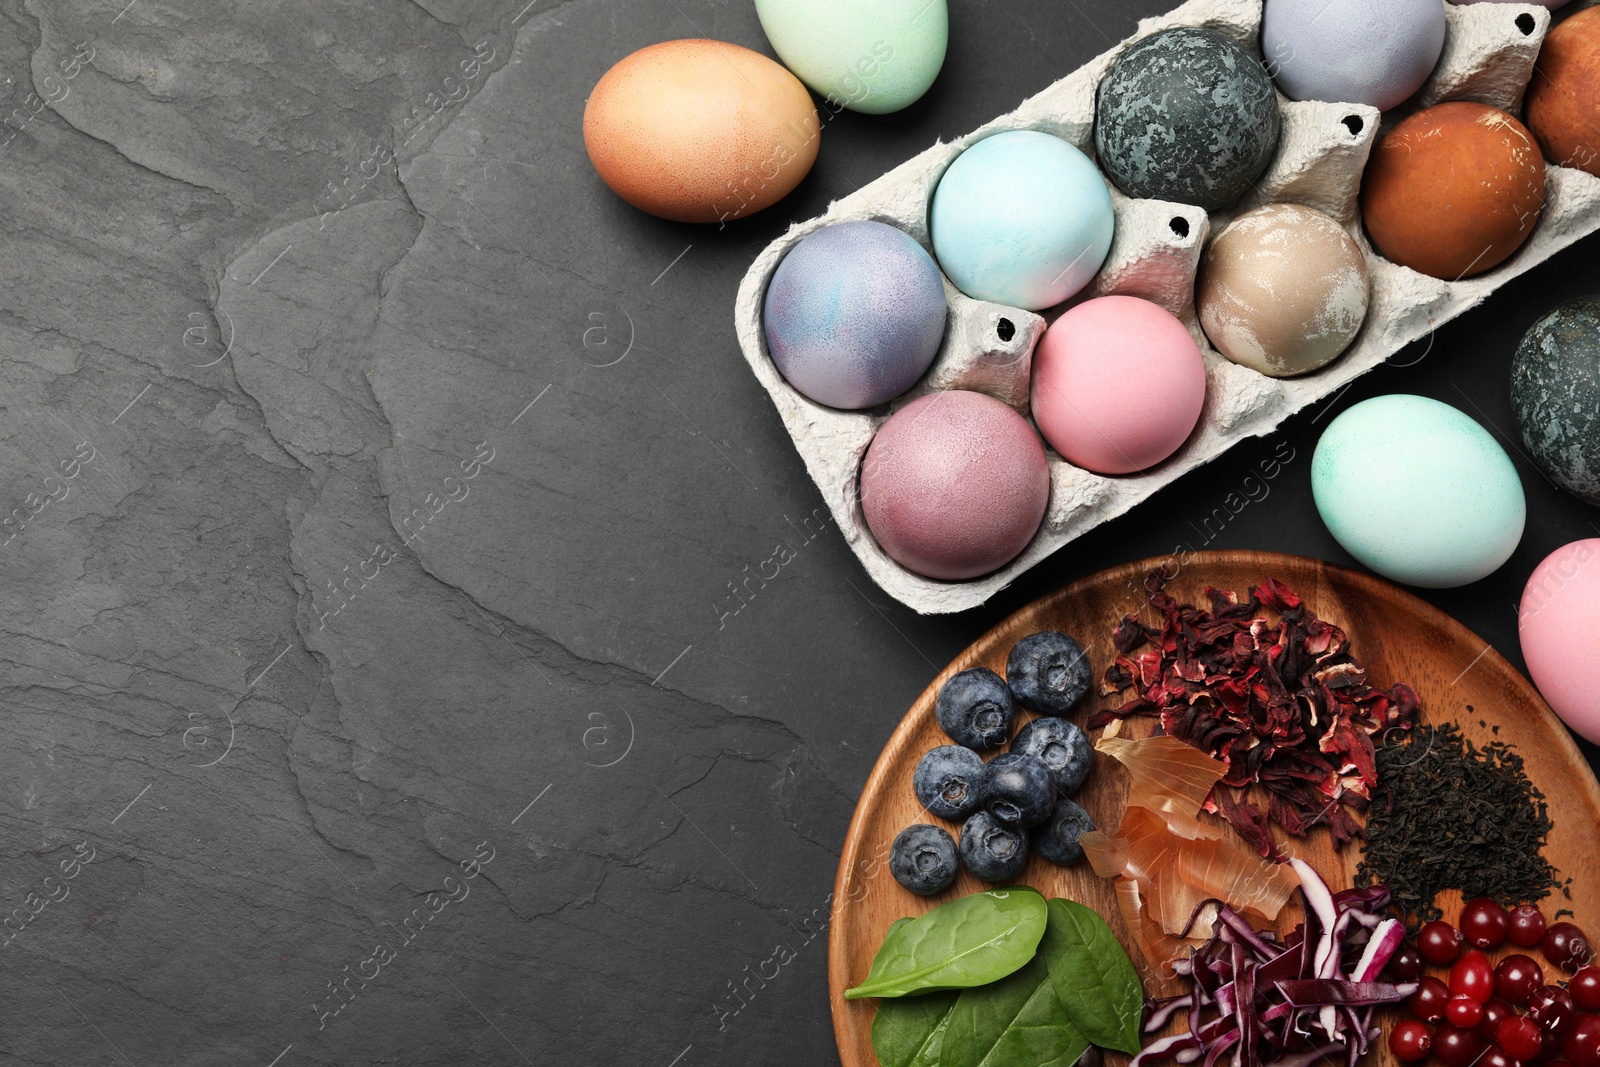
point(1488, 56)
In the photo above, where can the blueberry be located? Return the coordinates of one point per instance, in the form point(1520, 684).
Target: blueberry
point(923, 859)
point(1056, 839)
point(1048, 672)
point(946, 781)
point(1017, 788)
point(992, 850)
point(1063, 747)
point(975, 708)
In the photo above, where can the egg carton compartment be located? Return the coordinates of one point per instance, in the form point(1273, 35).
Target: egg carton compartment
point(1488, 56)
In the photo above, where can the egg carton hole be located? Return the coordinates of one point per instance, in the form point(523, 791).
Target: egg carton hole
point(1005, 329)
point(1322, 168)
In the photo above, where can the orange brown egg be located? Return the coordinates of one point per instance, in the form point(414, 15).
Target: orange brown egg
point(1454, 190)
point(700, 131)
point(1563, 102)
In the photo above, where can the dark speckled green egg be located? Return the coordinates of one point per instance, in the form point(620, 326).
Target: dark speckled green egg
point(1555, 391)
point(1186, 115)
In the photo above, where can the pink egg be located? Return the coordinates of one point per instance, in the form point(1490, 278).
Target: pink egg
point(1118, 385)
point(954, 485)
point(1559, 623)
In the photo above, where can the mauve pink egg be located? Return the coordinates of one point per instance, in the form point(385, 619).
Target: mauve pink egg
point(1559, 624)
point(1118, 385)
point(954, 485)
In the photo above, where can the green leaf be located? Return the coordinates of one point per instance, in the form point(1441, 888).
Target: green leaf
point(971, 941)
point(1015, 1022)
point(1094, 978)
point(907, 1031)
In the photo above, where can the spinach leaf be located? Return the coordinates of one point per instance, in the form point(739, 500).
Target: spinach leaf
point(1015, 1022)
point(1094, 978)
point(969, 941)
point(908, 1031)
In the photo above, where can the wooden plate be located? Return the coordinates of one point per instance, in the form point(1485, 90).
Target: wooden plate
point(1397, 637)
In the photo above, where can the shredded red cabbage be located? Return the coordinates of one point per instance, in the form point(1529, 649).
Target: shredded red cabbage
point(1291, 1002)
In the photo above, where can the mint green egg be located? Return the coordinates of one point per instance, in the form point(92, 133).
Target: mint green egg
point(873, 56)
point(1418, 491)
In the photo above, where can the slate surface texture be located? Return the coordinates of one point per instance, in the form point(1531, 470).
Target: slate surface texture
point(375, 687)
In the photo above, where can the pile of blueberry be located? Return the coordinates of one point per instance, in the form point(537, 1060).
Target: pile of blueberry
point(1018, 801)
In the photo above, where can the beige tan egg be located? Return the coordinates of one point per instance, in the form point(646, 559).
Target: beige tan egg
point(1282, 290)
point(700, 131)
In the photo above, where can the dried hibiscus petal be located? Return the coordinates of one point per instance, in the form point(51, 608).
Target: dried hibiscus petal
point(1279, 700)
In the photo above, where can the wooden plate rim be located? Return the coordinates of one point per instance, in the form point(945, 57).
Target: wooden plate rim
point(1367, 585)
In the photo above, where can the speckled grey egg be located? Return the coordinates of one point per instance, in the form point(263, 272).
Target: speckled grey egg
point(1555, 392)
point(1186, 115)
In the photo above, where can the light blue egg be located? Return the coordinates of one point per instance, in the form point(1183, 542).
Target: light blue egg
point(875, 56)
point(1021, 218)
point(1418, 491)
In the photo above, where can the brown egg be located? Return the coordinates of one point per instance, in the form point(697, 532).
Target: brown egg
point(1563, 104)
point(700, 131)
point(1453, 190)
point(1282, 290)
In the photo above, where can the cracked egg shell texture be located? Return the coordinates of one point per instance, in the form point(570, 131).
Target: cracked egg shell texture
point(1555, 396)
point(954, 485)
point(1282, 290)
point(1563, 102)
point(1188, 116)
point(700, 131)
point(1454, 190)
point(1118, 385)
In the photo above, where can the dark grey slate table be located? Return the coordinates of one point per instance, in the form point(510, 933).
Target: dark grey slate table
point(370, 690)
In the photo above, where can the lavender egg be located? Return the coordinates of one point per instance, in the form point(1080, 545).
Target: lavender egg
point(854, 314)
point(1375, 52)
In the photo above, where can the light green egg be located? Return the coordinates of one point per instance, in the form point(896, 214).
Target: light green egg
point(1418, 491)
point(873, 56)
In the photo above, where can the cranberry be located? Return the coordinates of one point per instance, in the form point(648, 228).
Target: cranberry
point(1406, 964)
point(1484, 923)
point(1463, 1012)
point(1411, 1041)
point(1493, 1012)
point(1519, 1037)
point(1581, 1042)
point(1471, 976)
point(1439, 943)
point(1585, 989)
point(1527, 925)
point(1428, 1002)
point(1516, 978)
point(1495, 1056)
point(1549, 1046)
point(1564, 945)
point(1551, 1007)
point(1456, 1048)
